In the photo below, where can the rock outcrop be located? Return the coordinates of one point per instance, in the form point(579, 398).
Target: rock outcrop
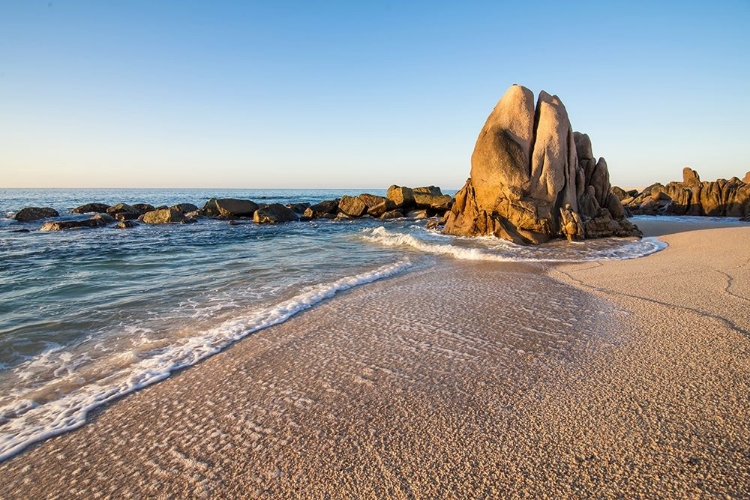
point(30, 214)
point(721, 198)
point(527, 166)
point(273, 213)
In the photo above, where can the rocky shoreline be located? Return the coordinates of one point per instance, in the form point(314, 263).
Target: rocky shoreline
point(415, 203)
point(720, 198)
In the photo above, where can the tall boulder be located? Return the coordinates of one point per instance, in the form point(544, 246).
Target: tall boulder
point(528, 167)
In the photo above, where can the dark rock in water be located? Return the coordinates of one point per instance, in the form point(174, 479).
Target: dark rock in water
point(125, 224)
point(392, 214)
point(433, 224)
point(123, 211)
point(527, 165)
point(433, 190)
point(163, 216)
point(98, 208)
point(402, 197)
point(185, 208)
point(104, 217)
point(229, 207)
point(323, 209)
point(146, 207)
point(30, 214)
point(72, 224)
point(730, 198)
point(273, 213)
point(381, 208)
point(20, 231)
point(352, 206)
point(298, 208)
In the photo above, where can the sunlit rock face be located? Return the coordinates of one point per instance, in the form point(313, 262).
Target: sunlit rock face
point(529, 171)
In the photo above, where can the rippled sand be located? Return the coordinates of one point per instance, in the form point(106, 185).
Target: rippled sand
point(466, 380)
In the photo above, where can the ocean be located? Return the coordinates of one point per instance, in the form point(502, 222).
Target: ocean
point(87, 316)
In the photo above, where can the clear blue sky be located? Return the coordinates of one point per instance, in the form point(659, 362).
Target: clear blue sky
point(358, 94)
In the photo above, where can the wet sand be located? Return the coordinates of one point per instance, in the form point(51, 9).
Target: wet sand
point(462, 380)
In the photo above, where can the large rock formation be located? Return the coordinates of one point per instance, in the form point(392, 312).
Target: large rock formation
point(730, 198)
point(528, 166)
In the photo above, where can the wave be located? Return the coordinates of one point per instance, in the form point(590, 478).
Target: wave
point(497, 250)
point(27, 421)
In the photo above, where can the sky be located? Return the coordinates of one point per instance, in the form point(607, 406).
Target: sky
point(320, 94)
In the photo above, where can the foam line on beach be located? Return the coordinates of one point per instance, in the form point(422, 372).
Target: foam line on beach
point(27, 422)
point(496, 250)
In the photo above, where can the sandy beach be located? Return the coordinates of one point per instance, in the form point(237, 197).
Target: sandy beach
point(620, 379)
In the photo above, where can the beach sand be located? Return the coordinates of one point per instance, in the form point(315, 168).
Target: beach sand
point(462, 380)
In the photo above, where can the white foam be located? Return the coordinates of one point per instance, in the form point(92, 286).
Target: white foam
point(25, 422)
point(497, 250)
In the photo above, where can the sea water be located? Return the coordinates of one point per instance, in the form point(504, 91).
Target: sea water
point(89, 315)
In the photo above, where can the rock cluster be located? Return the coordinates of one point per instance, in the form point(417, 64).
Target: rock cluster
point(528, 165)
point(399, 202)
point(730, 198)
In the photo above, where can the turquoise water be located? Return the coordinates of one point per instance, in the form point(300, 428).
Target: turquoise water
point(89, 315)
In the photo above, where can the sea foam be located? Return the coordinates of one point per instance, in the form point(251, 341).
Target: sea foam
point(498, 250)
point(26, 421)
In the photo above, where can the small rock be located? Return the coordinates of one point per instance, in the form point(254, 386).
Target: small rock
point(125, 224)
point(274, 213)
point(185, 208)
point(72, 224)
point(98, 208)
point(323, 210)
point(163, 216)
point(123, 211)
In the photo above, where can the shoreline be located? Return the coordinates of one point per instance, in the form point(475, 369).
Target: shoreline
point(411, 387)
